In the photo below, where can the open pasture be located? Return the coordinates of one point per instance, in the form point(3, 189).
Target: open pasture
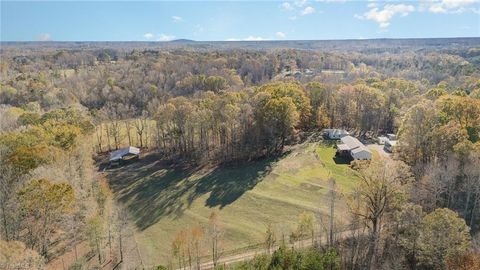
point(164, 199)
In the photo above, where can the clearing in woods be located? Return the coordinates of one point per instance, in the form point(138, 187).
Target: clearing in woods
point(163, 199)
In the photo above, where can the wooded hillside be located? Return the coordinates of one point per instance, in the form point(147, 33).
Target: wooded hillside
point(191, 104)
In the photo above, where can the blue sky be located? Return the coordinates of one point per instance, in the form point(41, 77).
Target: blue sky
point(237, 20)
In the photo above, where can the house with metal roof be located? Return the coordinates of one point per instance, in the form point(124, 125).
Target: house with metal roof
point(335, 134)
point(350, 147)
point(124, 154)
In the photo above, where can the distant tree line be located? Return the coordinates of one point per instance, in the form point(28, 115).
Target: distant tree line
point(419, 211)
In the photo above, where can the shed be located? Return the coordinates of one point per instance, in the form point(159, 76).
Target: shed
point(382, 139)
point(389, 145)
point(124, 154)
point(392, 137)
point(352, 148)
point(361, 153)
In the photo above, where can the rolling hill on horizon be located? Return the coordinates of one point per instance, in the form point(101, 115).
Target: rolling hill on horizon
point(381, 44)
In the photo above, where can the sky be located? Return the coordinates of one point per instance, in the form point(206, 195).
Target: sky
point(236, 20)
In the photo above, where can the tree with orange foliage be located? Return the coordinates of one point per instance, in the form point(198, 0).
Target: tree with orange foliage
point(215, 234)
point(195, 241)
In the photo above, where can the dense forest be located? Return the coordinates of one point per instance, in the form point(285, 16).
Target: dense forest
point(64, 106)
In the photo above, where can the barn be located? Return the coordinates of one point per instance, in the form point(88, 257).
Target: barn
point(361, 153)
point(124, 154)
point(352, 148)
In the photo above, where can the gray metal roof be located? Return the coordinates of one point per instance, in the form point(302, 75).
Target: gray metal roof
point(351, 142)
point(360, 149)
point(120, 153)
point(343, 147)
point(390, 142)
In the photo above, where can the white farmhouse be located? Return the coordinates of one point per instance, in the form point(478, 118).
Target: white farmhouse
point(335, 134)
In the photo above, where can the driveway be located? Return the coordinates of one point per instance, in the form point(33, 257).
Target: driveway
point(379, 149)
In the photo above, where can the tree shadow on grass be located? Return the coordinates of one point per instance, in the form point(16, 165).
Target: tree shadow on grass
point(152, 189)
point(227, 184)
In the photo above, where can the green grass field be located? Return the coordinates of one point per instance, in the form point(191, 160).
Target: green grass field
point(163, 199)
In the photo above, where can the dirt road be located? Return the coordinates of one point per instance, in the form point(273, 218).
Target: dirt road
point(251, 254)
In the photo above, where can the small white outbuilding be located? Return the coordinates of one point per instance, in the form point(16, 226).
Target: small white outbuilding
point(392, 137)
point(389, 145)
point(382, 139)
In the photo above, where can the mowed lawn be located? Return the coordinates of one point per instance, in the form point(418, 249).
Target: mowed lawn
point(163, 199)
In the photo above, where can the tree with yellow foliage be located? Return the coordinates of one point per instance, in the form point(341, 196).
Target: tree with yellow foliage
point(43, 205)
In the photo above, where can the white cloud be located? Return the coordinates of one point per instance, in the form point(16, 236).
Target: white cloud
point(299, 8)
point(281, 34)
point(44, 37)
point(163, 37)
point(307, 11)
point(177, 19)
point(286, 6)
point(148, 36)
point(447, 6)
point(332, 1)
point(249, 38)
point(254, 38)
point(300, 3)
point(385, 15)
point(437, 9)
point(360, 17)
